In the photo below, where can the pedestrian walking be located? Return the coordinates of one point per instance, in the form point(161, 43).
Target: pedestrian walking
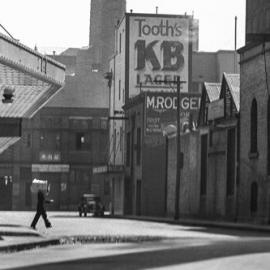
point(41, 211)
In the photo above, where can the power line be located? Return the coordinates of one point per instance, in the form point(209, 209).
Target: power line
point(7, 32)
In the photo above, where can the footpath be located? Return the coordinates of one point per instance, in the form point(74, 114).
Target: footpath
point(16, 235)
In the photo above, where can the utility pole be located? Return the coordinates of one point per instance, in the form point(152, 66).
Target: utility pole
point(178, 151)
point(179, 157)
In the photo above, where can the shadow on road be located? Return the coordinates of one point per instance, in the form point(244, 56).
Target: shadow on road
point(230, 232)
point(162, 258)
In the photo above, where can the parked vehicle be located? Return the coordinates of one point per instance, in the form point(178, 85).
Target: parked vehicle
point(91, 203)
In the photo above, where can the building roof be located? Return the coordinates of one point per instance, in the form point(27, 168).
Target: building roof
point(233, 82)
point(212, 90)
point(6, 142)
point(33, 77)
point(70, 52)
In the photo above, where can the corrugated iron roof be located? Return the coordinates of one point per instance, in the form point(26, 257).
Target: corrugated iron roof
point(212, 90)
point(233, 81)
point(6, 142)
point(30, 92)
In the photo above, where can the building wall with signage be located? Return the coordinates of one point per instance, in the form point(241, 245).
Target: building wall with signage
point(144, 164)
point(159, 50)
point(154, 47)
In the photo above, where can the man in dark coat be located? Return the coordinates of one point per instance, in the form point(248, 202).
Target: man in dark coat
point(41, 211)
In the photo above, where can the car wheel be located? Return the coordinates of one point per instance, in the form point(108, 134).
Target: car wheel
point(80, 214)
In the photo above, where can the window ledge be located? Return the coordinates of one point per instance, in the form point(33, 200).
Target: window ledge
point(253, 155)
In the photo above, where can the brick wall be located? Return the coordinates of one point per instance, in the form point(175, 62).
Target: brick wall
point(254, 168)
point(189, 181)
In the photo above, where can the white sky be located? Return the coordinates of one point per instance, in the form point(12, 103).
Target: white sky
point(59, 24)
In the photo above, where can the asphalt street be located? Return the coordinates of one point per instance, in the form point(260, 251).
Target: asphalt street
point(173, 247)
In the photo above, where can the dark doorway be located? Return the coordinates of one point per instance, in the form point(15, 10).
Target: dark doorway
point(138, 197)
point(5, 193)
point(231, 162)
point(204, 144)
point(254, 198)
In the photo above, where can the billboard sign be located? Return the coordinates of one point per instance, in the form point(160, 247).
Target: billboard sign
point(158, 51)
point(161, 110)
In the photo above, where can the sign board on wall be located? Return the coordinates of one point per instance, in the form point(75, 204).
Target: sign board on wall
point(161, 110)
point(158, 51)
point(216, 109)
point(50, 168)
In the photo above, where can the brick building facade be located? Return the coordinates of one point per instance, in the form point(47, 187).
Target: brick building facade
point(254, 188)
point(254, 156)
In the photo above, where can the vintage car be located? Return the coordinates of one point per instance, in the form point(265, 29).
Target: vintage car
point(91, 203)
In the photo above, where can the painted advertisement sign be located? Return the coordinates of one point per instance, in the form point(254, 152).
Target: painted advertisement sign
point(161, 111)
point(159, 51)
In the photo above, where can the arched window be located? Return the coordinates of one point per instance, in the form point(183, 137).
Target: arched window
point(254, 197)
point(253, 127)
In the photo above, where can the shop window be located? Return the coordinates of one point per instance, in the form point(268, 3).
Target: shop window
point(253, 127)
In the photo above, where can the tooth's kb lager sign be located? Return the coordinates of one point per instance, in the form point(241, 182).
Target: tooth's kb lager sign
point(161, 110)
point(159, 51)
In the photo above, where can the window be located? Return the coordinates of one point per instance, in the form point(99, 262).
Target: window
point(28, 140)
point(103, 123)
point(114, 142)
point(138, 146)
point(128, 149)
point(253, 127)
point(120, 42)
point(254, 197)
point(50, 141)
point(119, 90)
point(80, 141)
point(204, 155)
point(121, 139)
point(231, 161)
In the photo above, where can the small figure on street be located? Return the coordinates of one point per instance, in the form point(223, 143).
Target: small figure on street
point(41, 211)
